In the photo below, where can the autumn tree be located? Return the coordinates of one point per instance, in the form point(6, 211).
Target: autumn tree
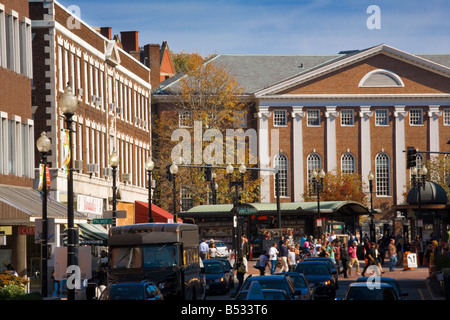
point(202, 106)
point(186, 61)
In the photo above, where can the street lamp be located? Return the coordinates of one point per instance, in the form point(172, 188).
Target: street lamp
point(43, 145)
point(174, 170)
point(370, 177)
point(419, 183)
point(68, 104)
point(114, 162)
point(214, 188)
point(149, 165)
point(317, 179)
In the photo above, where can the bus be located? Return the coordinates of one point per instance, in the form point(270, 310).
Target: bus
point(164, 253)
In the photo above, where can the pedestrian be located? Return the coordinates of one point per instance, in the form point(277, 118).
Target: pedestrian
point(240, 274)
point(345, 259)
point(291, 259)
point(392, 252)
point(370, 256)
point(377, 257)
point(337, 255)
point(331, 251)
point(273, 257)
point(212, 251)
point(283, 257)
point(352, 251)
point(262, 263)
point(204, 250)
point(12, 271)
point(245, 251)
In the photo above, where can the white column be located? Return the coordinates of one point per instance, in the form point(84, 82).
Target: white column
point(297, 116)
point(331, 114)
point(366, 154)
point(263, 116)
point(433, 129)
point(400, 156)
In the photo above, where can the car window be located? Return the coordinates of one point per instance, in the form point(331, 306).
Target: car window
point(312, 269)
point(299, 282)
point(364, 293)
point(280, 284)
point(211, 268)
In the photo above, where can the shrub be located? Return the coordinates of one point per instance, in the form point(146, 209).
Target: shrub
point(12, 292)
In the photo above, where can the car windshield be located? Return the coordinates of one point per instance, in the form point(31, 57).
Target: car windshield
point(268, 284)
point(365, 293)
point(160, 256)
point(212, 267)
point(312, 269)
point(126, 292)
point(299, 281)
point(268, 295)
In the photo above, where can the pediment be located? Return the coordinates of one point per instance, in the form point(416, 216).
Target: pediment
point(380, 69)
point(112, 55)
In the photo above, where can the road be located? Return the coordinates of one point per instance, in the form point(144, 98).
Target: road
point(411, 281)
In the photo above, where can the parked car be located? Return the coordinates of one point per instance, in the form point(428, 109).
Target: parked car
point(217, 280)
point(144, 290)
point(301, 284)
point(333, 266)
point(362, 291)
point(280, 282)
point(391, 281)
point(227, 268)
point(320, 275)
point(222, 249)
point(256, 292)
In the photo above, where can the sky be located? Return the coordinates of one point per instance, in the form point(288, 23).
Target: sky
point(277, 26)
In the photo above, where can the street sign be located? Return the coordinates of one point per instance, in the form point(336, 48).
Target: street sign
point(119, 214)
point(102, 221)
point(247, 210)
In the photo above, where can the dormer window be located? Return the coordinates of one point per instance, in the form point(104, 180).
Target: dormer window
point(381, 78)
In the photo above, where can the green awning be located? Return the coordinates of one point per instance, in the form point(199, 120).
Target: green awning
point(90, 234)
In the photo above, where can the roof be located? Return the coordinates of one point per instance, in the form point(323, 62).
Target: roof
point(432, 193)
point(158, 214)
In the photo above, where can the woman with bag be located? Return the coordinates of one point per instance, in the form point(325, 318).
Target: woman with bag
point(262, 263)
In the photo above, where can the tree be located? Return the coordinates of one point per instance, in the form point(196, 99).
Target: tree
point(185, 61)
point(205, 99)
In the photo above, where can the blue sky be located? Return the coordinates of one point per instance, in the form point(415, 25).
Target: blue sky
point(275, 27)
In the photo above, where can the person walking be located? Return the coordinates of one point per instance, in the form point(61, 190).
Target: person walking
point(370, 256)
point(240, 274)
point(284, 256)
point(245, 251)
point(291, 258)
point(352, 251)
point(204, 250)
point(273, 256)
point(345, 259)
point(392, 252)
point(212, 251)
point(262, 263)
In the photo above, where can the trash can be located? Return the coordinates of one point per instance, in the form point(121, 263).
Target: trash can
point(90, 291)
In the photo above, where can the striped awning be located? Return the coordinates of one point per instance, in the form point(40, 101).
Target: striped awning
point(90, 234)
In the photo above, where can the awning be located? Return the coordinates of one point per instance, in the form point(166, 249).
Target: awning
point(158, 214)
point(90, 234)
point(19, 205)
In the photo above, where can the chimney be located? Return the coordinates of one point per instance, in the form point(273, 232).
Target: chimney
point(152, 60)
point(106, 32)
point(130, 41)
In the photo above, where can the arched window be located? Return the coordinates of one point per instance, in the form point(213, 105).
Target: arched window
point(382, 171)
point(381, 78)
point(348, 163)
point(314, 161)
point(281, 163)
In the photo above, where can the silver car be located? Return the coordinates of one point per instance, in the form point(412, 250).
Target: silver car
point(222, 249)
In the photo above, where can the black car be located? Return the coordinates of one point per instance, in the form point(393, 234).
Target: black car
point(227, 268)
point(333, 266)
point(144, 290)
point(280, 282)
point(391, 281)
point(363, 291)
point(217, 280)
point(301, 284)
point(320, 275)
point(256, 292)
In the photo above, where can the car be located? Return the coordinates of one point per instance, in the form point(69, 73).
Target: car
point(301, 284)
point(393, 282)
point(280, 282)
point(320, 275)
point(222, 249)
point(256, 292)
point(227, 268)
point(365, 291)
point(144, 290)
point(217, 280)
point(333, 266)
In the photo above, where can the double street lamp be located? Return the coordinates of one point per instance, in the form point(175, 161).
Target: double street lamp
point(317, 180)
point(149, 165)
point(114, 162)
point(68, 104)
point(43, 145)
point(419, 183)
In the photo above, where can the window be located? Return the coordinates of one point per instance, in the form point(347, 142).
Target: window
point(347, 117)
point(381, 117)
point(281, 163)
point(187, 202)
point(381, 78)
point(382, 170)
point(416, 117)
point(314, 161)
point(185, 118)
point(313, 117)
point(447, 116)
point(279, 118)
point(240, 120)
point(348, 163)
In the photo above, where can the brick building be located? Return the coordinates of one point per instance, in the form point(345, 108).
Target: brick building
point(356, 111)
point(113, 90)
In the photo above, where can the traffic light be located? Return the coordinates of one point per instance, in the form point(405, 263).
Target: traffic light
point(168, 173)
point(410, 157)
point(207, 172)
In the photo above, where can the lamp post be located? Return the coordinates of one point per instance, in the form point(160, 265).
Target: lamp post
point(149, 165)
point(68, 104)
point(214, 188)
point(114, 162)
point(419, 183)
point(174, 170)
point(370, 177)
point(43, 145)
point(318, 188)
point(238, 182)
